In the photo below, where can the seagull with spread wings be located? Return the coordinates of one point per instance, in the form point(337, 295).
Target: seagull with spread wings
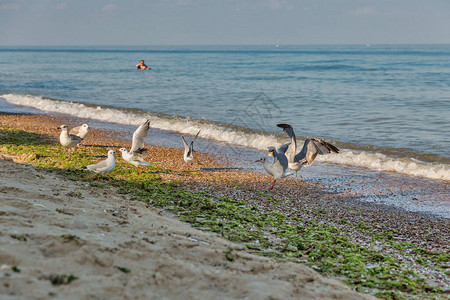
point(138, 152)
point(311, 148)
point(189, 149)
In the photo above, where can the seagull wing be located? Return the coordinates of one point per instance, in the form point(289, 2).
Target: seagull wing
point(139, 154)
point(293, 147)
point(140, 135)
point(324, 147)
point(196, 136)
point(186, 147)
point(75, 138)
point(301, 156)
point(283, 148)
point(280, 161)
point(98, 167)
point(191, 146)
point(312, 148)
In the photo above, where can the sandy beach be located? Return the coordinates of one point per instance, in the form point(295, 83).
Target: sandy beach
point(127, 250)
point(122, 249)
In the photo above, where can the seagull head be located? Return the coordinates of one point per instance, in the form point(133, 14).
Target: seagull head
point(123, 150)
point(64, 127)
point(271, 150)
point(111, 153)
point(261, 160)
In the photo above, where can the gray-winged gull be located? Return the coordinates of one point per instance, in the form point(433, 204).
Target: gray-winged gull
point(311, 148)
point(105, 166)
point(189, 150)
point(279, 167)
point(81, 131)
point(66, 139)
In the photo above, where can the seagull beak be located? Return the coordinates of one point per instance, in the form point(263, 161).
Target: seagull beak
point(259, 160)
point(270, 153)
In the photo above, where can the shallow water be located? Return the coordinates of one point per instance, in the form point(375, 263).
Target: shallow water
point(390, 97)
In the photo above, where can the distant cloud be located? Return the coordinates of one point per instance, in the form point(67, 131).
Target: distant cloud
point(9, 6)
point(274, 4)
point(404, 14)
point(266, 4)
point(363, 11)
point(175, 3)
point(61, 6)
point(110, 8)
point(183, 2)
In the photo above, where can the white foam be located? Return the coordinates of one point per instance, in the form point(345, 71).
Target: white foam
point(381, 162)
point(218, 132)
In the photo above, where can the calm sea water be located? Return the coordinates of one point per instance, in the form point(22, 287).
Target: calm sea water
point(385, 104)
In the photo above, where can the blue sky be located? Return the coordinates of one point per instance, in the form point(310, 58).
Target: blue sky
point(215, 22)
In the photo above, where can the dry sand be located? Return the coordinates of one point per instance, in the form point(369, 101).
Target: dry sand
point(121, 249)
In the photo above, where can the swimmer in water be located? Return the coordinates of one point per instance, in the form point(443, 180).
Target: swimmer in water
point(142, 66)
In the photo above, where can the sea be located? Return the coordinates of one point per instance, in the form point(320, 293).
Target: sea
point(387, 107)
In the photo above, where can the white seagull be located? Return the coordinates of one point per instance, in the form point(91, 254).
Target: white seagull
point(138, 152)
point(66, 139)
point(80, 131)
point(105, 166)
point(279, 167)
point(311, 148)
point(189, 150)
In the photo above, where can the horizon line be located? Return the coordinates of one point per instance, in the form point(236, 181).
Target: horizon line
point(229, 45)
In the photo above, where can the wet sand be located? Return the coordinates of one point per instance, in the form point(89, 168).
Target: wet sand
point(309, 199)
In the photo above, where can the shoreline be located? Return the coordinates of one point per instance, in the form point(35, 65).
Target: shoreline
point(404, 162)
point(164, 156)
point(368, 184)
point(313, 202)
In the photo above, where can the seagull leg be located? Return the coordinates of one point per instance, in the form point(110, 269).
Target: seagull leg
point(139, 171)
point(273, 183)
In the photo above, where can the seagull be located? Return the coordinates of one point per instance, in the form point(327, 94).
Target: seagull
point(138, 152)
point(279, 167)
point(311, 148)
point(189, 150)
point(66, 139)
point(80, 131)
point(105, 166)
